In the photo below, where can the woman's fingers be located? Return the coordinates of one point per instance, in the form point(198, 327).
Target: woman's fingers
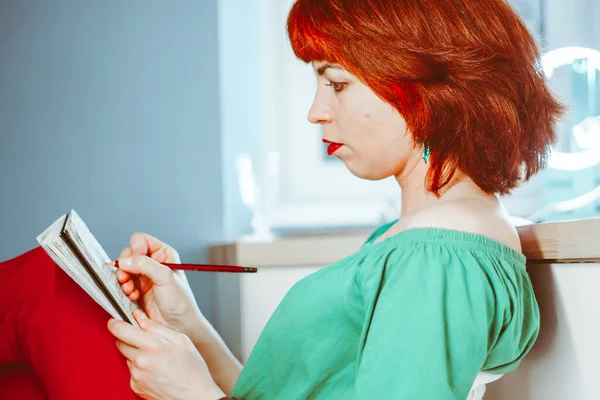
point(126, 252)
point(128, 287)
point(127, 284)
point(158, 273)
point(134, 296)
point(129, 334)
point(152, 327)
point(129, 352)
point(161, 255)
point(123, 276)
point(133, 342)
point(143, 244)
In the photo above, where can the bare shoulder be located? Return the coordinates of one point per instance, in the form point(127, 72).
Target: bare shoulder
point(481, 217)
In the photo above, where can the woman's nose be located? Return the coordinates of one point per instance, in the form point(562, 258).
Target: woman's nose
point(319, 112)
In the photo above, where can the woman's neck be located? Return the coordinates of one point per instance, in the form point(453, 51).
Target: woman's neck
point(416, 197)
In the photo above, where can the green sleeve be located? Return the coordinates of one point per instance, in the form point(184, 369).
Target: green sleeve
point(426, 331)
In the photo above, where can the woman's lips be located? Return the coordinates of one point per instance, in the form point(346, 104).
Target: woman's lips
point(333, 147)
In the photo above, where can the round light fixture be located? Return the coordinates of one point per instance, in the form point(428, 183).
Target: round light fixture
point(587, 133)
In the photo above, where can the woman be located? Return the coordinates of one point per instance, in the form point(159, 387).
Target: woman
point(448, 98)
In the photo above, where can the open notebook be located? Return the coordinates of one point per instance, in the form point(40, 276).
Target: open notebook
point(71, 245)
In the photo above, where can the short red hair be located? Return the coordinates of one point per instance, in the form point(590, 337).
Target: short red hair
point(464, 74)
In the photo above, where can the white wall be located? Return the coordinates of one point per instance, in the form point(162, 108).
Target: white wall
point(564, 363)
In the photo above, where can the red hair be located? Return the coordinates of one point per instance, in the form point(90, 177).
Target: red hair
point(464, 74)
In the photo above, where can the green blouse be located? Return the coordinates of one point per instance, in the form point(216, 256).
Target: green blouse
point(415, 316)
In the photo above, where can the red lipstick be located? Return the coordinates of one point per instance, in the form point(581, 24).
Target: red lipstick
point(333, 147)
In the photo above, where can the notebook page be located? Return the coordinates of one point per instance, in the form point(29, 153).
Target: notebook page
point(97, 258)
point(62, 255)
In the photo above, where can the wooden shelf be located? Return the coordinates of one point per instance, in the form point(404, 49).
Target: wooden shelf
point(562, 242)
point(565, 241)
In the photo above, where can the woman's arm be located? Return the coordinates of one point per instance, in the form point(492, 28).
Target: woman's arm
point(224, 367)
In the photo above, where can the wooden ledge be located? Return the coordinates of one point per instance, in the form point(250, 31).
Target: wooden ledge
point(564, 241)
point(553, 242)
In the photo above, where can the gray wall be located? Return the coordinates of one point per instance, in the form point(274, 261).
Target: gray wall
point(112, 108)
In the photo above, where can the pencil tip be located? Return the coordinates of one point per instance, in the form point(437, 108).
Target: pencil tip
point(111, 263)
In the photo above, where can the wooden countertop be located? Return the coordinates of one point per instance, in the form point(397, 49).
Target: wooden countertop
point(562, 242)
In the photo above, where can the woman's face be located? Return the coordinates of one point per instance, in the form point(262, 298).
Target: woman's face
point(367, 133)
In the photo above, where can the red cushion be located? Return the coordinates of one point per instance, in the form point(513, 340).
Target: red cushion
point(18, 382)
point(49, 323)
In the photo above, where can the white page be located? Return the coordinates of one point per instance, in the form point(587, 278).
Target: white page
point(97, 258)
point(93, 252)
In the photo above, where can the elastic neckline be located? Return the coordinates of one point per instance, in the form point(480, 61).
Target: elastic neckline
point(449, 237)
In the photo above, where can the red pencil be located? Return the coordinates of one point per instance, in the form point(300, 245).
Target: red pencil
point(200, 267)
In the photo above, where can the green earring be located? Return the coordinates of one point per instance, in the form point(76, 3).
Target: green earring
point(426, 151)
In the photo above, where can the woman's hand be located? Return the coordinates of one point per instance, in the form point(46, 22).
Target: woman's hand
point(164, 364)
point(168, 300)
point(161, 292)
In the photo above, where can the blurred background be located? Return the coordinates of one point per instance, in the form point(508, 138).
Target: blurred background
point(187, 120)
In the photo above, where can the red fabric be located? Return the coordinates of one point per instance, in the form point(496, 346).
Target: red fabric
point(51, 325)
point(19, 382)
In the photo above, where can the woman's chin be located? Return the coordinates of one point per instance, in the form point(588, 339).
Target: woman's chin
point(363, 172)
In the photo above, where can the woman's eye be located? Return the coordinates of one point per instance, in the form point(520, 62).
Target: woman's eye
point(337, 86)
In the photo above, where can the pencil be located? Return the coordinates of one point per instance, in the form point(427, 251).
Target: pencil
point(200, 267)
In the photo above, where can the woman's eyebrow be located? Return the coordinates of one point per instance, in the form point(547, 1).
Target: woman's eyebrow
point(321, 70)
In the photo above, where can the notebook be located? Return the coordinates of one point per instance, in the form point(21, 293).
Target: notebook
point(73, 247)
